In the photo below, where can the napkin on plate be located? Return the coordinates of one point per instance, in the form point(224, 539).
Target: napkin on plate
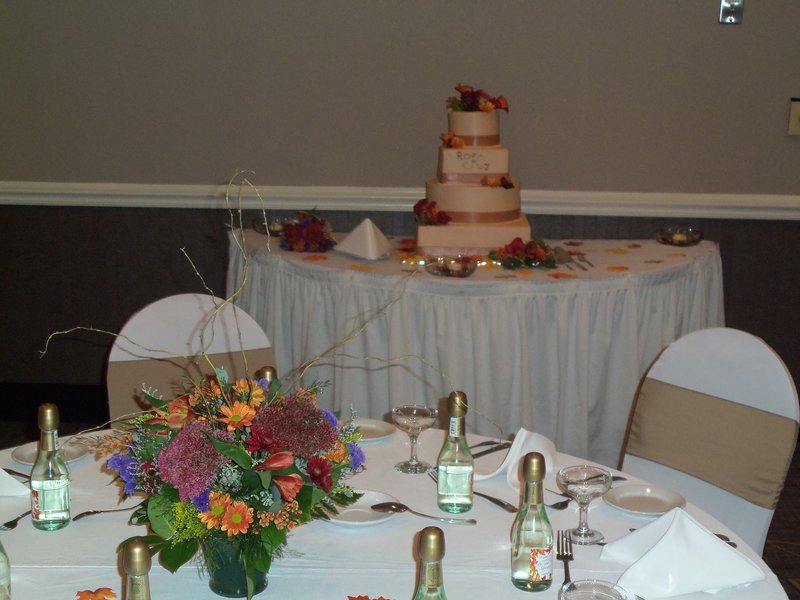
point(675, 555)
point(524, 441)
point(365, 241)
point(11, 487)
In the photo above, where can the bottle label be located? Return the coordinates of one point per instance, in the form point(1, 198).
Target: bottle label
point(456, 427)
point(541, 564)
point(433, 575)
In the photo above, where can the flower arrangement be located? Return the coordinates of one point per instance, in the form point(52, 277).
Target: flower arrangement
point(239, 460)
point(427, 213)
point(522, 255)
point(470, 99)
point(308, 233)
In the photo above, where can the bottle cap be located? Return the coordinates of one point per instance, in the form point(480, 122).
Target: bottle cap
point(457, 404)
point(136, 558)
point(431, 544)
point(268, 373)
point(48, 416)
point(533, 467)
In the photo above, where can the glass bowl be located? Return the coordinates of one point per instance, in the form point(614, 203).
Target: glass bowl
point(679, 236)
point(459, 265)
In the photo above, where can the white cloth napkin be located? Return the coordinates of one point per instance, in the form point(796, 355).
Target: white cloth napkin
point(11, 487)
point(365, 241)
point(675, 555)
point(524, 441)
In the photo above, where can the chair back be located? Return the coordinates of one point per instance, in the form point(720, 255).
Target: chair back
point(178, 340)
point(715, 418)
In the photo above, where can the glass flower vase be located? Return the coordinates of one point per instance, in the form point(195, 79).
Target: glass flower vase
point(226, 570)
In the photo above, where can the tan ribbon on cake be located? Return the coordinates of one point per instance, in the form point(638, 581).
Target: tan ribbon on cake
point(467, 177)
point(489, 217)
point(729, 445)
point(479, 140)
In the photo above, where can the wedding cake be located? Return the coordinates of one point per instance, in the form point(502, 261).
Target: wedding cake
point(472, 204)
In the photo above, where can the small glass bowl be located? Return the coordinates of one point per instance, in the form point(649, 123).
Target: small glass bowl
point(459, 265)
point(679, 236)
point(591, 589)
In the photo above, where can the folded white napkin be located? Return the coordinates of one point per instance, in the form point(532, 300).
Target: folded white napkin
point(11, 487)
point(524, 441)
point(365, 241)
point(675, 555)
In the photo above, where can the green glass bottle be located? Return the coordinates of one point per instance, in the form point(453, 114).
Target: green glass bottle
point(136, 561)
point(455, 466)
point(49, 475)
point(430, 547)
point(531, 533)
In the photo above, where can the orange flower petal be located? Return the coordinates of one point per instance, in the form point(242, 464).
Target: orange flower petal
point(617, 268)
point(279, 460)
point(315, 258)
point(288, 485)
point(562, 275)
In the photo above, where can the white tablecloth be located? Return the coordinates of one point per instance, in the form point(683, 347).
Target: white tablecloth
point(557, 352)
point(327, 561)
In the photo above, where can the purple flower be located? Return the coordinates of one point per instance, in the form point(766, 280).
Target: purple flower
point(331, 417)
point(127, 467)
point(201, 501)
point(357, 456)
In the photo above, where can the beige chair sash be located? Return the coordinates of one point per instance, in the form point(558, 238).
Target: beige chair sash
point(171, 376)
point(741, 449)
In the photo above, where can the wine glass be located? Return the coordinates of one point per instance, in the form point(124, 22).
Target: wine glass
point(591, 589)
point(584, 483)
point(413, 419)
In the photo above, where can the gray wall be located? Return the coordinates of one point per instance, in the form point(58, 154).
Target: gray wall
point(630, 95)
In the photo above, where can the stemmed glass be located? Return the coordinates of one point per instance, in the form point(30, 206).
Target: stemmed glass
point(584, 483)
point(413, 419)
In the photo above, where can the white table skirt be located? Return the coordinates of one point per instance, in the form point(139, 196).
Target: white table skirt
point(561, 357)
point(327, 561)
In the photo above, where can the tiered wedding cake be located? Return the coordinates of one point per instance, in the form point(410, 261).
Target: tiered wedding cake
point(472, 187)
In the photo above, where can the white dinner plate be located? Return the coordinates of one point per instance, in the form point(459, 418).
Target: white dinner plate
point(70, 452)
point(373, 430)
point(646, 500)
point(359, 514)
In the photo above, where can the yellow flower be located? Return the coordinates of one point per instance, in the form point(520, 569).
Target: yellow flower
point(237, 416)
point(251, 390)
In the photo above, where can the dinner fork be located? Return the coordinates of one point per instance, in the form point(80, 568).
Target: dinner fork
point(13, 522)
point(501, 503)
point(564, 552)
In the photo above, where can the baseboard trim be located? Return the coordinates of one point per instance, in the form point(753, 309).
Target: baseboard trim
point(343, 198)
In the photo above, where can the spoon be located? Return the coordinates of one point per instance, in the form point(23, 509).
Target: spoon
point(96, 511)
point(398, 507)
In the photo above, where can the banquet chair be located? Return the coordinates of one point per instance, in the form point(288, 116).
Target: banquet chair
point(178, 340)
point(715, 419)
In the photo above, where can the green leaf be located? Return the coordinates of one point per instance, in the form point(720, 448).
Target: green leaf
point(173, 556)
point(233, 451)
point(272, 537)
point(251, 480)
point(159, 512)
point(159, 403)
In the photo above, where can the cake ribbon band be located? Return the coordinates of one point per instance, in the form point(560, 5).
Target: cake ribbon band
point(467, 177)
point(480, 140)
point(669, 427)
point(489, 217)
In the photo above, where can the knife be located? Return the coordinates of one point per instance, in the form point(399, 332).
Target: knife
point(500, 446)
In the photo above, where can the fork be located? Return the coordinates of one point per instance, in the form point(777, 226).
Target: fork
point(564, 552)
point(501, 503)
point(98, 511)
point(583, 259)
point(13, 522)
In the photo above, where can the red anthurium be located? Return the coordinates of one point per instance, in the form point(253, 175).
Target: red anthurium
point(279, 460)
point(288, 485)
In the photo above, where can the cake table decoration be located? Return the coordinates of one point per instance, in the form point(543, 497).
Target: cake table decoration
point(472, 186)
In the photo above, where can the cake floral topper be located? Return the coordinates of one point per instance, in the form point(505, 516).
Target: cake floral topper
point(427, 213)
point(471, 99)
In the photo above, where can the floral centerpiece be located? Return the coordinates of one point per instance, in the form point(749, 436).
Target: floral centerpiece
point(309, 233)
point(471, 99)
point(524, 255)
point(427, 213)
point(230, 468)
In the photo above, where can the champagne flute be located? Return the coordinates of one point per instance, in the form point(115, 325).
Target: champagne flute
point(413, 419)
point(584, 483)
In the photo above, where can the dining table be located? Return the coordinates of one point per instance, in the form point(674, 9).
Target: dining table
point(559, 351)
point(369, 554)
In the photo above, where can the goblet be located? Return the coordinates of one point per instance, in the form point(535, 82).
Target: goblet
point(413, 419)
point(584, 483)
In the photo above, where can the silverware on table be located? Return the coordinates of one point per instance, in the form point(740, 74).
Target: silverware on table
point(497, 448)
point(560, 505)
point(487, 443)
point(565, 258)
point(498, 501)
point(98, 511)
point(582, 258)
point(564, 552)
point(398, 507)
point(17, 473)
point(13, 522)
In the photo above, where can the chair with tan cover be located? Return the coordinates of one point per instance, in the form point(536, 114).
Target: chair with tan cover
point(178, 340)
point(715, 419)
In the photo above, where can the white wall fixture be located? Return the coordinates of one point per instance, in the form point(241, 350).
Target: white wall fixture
point(730, 11)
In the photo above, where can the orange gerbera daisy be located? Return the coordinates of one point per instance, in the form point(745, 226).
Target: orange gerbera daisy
point(251, 390)
point(99, 594)
point(237, 416)
point(237, 519)
point(217, 502)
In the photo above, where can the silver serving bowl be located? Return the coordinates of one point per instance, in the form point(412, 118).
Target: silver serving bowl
point(679, 236)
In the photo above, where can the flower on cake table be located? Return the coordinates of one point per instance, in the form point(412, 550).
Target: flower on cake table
point(524, 255)
point(427, 213)
point(308, 234)
point(471, 99)
point(451, 140)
